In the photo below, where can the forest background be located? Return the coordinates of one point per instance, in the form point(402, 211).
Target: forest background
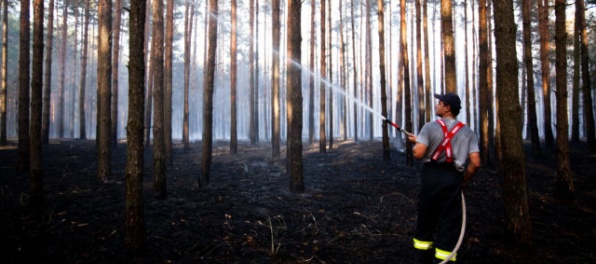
point(191, 88)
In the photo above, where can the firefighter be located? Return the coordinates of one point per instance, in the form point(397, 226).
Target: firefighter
point(444, 146)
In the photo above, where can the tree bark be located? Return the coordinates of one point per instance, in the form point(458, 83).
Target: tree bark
point(381, 11)
point(252, 118)
point(406, 78)
point(104, 81)
point(322, 85)
point(275, 127)
point(62, 74)
point(531, 102)
point(35, 168)
point(82, 121)
point(576, 78)
point(208, 83)
point(24, 64)
point(115, 65)
point(565, 186)
point(330, 70)
point(311, 83)
point(188, 18)
point(586, 80)
point(368, 71)
point(47, 87)
point(483, 69)
point(234, 81)
point(545, 64)
point(355, 72)
point(294, 91)
point(168, 81)
point(157, 63)
point(517, 217)
point(419, 74)
point(4, 76)
point(136, 241)
point(448, 46)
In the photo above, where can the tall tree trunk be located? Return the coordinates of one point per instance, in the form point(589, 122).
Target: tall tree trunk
point(565, 187)
point(208, 83)
point(234, 81)
point(157, 63)
point(419, 74)
point(47, 81)
point(427, 86)
point(355, 73)
point(149, 81)
point(311, 82)
point(322, 85)
point(24, 64)
point(576, 78)
point(168, 82)
point(188, 18)
point(115, 65)
point(82, 84)
point(406, 78)
point(586, 83)
point(368, 71)
point(35, 169)
point(136, 241)
point(275, 127)
point(294, 88)
point(344, 73)
point(532, 120)
point(257, 86)
point(483, 68)
point(543, 21)
point(73, 75)
point(467, 65)
point(381, 8)
point(62, 74)
point(515, 195)
point(330, 69)
point(104, 81)
point(4, 76)
point(448, 46)
point(252, 118)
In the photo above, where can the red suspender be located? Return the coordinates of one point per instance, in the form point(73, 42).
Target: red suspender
point(446, 143)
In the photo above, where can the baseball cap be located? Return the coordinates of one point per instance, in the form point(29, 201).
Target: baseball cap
point(451, 99)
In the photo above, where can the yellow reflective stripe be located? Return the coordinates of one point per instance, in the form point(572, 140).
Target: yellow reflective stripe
point(442, 254)
point(422, 245)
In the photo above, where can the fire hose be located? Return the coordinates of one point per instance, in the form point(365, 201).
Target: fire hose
point(463, 204)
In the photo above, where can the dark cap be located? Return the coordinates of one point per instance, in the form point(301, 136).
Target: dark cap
point(451, 99)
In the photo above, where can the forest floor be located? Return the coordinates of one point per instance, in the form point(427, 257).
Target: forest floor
point(356, 208)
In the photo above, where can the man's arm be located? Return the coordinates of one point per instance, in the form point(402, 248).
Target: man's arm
point(472, 167)
point(419, 149)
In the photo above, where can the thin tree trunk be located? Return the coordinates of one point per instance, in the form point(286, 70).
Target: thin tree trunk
point(448, 46)
point(344, 73)
point(208, 83)
point(294, 88)
point(427, 86)
point(73, 75)
point(515, 194)
point(136, 241)
point(586, 83)
point(322, 85)
point(82, 120)
point(275, 127)
point(330, 69)
point(466, 63)
point(115, 65)
point(419, 74)
point(311, 83)
point(233, 82)
point(565, 186)
point(188, 18)
point(149, 82)
point(544, 61)
point(35, 169)
point(168, 81)
point(62, 74)
point(406, 78)
point(576, 78)
point(104, 74)
point(45, 123)
point(368, 70)
point(24, 64)
point(157, 63)
point(483, 69)
point(257, 87)
point(3, 75)
point(532, 120)
point(252, 118)
point(381, 8)
point(355, 73)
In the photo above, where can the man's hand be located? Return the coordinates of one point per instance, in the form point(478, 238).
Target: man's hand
point(411, 137)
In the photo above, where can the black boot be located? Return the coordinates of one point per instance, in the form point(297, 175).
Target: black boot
point(426, 256)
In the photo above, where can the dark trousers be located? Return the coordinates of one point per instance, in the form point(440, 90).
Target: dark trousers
point(439, 205)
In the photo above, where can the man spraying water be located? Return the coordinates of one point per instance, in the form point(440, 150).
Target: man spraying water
point(444, 147)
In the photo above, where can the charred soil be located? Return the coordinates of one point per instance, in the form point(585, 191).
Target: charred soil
point(356, 208)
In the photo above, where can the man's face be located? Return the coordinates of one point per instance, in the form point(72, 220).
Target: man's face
point(441, 108)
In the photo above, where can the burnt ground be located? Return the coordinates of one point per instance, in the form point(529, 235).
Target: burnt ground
point(356, 208)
